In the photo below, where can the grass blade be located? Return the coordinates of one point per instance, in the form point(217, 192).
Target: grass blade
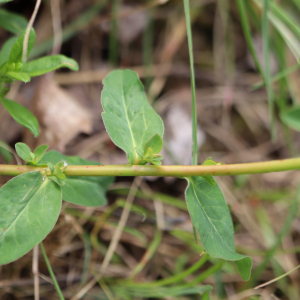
point(266, 53)
point(194, 110)
point(58, 290)
point(247, 34)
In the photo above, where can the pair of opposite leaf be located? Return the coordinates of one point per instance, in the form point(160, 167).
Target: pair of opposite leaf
point(13, 68)
point(33, 158)
point(151, 152)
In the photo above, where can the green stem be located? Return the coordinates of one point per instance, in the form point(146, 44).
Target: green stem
point(58, 290)
point(248, 35)
point(173, 171)
point(194, 109)
point(266, 53)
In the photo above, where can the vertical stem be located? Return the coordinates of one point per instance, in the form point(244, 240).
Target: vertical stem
point(194, 110)
point(35, 271)
point(58, 290)
point(29, 26)
point(247, 34)
point(266, 52)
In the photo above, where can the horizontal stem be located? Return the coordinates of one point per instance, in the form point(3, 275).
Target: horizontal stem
point(173, 171)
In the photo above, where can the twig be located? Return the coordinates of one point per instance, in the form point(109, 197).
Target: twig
point(173, 171)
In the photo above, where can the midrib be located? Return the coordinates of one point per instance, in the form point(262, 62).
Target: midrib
point(126, 114)
point(194, 190)
point(15, 220)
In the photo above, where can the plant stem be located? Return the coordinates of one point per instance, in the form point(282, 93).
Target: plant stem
point(194, 108)
point(267, 77)
point(174, 171)
point(248, 36)
point(58, 290)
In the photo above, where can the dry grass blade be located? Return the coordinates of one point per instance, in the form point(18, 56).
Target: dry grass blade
point(277, 278)
point(35, 271)
point(29, 26)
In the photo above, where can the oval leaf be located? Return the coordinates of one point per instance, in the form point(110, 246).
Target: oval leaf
point(29, 208)
point(49, 63)
point(209, 179)
point(155, 142)
point(5, 152)
point(22, 115)
point(80, 190)
point(211, 218)
point(23, 151)
point(128, 117)
point(6, 49)
point(19, 76)
point(39, 152)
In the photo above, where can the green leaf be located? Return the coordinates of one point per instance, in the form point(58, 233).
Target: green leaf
point(62, 164)
point(4, 1)
point(59, 181)
point(23, 151)
point(6, 49)
point(13, 23)
point(29, 208)
point(50, 166)
point(209, 162)
point(291, 117)
point(5, 152)
point(128, 117)
point(206, 295)
point(244, 266)
point(39, 152)
point(157, 161)
point(81, 190)
point(32, 156)
point(22, 115)
point(49, 63)
point(149, 154)
point(19, 76)
point(17, 48)
point(155, 142)
point(58, 173)
point(211, 218)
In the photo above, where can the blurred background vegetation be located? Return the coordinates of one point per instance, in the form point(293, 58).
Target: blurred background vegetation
point(248, 95)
